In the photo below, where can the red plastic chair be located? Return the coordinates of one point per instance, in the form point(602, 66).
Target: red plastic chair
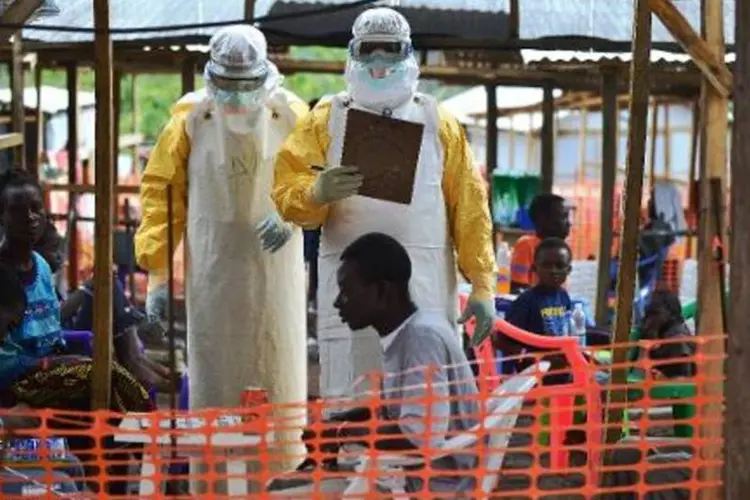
point(562, 397)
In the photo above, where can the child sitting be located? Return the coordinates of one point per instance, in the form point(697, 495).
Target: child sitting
point(663, 321)
point(550, 216)
point(545, 308)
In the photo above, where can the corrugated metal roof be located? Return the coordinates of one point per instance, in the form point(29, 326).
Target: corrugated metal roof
point(463, 5)
point(544, 24)
point(531, 56)
point(610, 20)
point(443, 21)
point(143, 14)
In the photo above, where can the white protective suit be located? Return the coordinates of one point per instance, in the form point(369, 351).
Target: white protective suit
point(448, 217)
point(246, 306)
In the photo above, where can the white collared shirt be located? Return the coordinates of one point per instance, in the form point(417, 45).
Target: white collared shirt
point(385, 342)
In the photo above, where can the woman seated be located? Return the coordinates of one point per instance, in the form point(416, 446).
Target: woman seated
point(77, 313)
point(35, 369)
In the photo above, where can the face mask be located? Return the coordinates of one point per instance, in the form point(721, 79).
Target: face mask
point(241, 110)
point(379, 84)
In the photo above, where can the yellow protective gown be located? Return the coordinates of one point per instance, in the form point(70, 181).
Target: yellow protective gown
point(245, 306)
point(447, 220)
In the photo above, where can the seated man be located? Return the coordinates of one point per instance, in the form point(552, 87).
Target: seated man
point(422, 355)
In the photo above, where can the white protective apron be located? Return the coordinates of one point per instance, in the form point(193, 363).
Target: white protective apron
point(422, 227)
point(245, 306)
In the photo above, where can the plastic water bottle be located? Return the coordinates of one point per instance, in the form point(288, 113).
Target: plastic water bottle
point(503, 268)
point(578, 324)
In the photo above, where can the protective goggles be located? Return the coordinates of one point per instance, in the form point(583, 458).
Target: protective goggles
point(238, 82)
point(388, 49)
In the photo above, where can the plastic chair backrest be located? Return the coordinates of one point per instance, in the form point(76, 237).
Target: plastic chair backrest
point(503, 418)
point(563, 396)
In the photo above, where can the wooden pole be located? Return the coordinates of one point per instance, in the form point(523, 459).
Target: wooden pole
point(607, 201)
point(18, 110)
point(135, 128)
point(116, 117)
point(39, 119)
point(667, 149)
point(580, 178)
point(249, 9)
point(710, 290)
point(695, 139)
point(711, 64)
point(548, 139)
point(637, 126)
point(71, 72)
point(652, 152)
point(491, 140)
point(104, 208)
point(737, 416)
point(188, 75)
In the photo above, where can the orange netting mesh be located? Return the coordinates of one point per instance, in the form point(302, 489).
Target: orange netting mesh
point(521, 438)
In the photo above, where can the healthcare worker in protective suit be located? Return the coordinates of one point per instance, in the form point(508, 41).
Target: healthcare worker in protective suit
point(246, 314)
point(448, 217)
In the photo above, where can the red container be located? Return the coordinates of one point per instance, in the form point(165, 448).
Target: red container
point(253, 397)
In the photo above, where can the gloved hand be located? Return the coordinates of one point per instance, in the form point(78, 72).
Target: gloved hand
point(337, 183)
point(157, 300)
point(273, 232)
point(484, 312)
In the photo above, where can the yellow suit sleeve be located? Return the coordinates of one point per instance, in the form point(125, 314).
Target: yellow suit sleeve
point(166, 166)
point(307, 145)
point(468, 209)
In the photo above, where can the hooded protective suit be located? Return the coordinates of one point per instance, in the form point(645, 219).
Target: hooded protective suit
point(448, 217)
point(245, 306)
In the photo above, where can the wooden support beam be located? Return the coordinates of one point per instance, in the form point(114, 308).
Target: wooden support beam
point(104, 209)
point(17, 13)
point(18, 111)
point(711, 65)
point(40, 152)
point(626, 277)
point(188, 75)
point(11, 140)
point(548, 138)
point(89, 189)
point(710, 292)
point(71, 77)
point(491, 139)
point(249, 10)
point(652, 143)
point(695, 135)
point(737, 415)
point(606, 204)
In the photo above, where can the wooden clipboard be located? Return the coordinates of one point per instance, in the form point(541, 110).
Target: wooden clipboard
point(386, 151)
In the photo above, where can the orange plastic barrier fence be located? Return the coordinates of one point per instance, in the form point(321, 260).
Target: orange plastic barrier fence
point(521, 437)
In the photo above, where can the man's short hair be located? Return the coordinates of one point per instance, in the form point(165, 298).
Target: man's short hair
point(552, 244)
point(542, 204)
point(380, 258)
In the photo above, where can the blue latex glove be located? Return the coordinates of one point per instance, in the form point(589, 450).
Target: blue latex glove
point(483, 310)
point(273, 232)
